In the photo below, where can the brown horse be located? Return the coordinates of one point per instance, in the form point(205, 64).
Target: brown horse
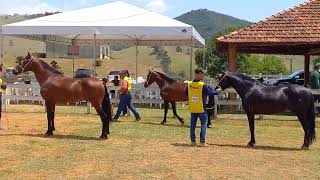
point(55, 88)
point(170, 91)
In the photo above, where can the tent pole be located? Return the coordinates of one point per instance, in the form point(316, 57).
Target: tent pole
point(191, 55)
point(137, 52)
point(94, 53)
point(2, 48)
point(73, 49)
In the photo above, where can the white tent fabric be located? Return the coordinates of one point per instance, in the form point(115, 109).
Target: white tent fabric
point(117, 21)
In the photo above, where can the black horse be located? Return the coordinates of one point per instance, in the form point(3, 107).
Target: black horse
point(260, 99)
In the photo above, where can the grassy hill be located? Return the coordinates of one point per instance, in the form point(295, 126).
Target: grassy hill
point(208, 22)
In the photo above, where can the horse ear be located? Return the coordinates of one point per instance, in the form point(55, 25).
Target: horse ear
point(29, 56)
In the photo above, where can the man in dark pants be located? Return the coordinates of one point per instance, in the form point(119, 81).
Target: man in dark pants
point(197, 93)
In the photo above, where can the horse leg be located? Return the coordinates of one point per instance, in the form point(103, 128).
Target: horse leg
point(105, 122)
point(174, 109)
point(303, 119)
point(252, 142)
point(50, 116)
point(166, 106)
point(53, 114)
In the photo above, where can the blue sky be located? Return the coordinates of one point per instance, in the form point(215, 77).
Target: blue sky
point(252, 10)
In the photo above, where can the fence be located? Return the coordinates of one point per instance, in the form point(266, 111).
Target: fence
point(146, 96)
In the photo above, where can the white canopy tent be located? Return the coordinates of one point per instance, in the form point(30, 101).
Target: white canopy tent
point(112, 23)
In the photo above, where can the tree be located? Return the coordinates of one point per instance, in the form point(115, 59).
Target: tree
point(316, 60)
point(255, 64)
point(55, 65)
point(162, 55)
point(178, 49)
point(98, 62)
point(216, 62)
point(19, 59)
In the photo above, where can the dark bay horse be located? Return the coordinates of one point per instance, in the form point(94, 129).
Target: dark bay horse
point(171, 91)
point(260, 99)
point(55, 88)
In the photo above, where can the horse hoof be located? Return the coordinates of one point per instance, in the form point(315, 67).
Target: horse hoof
point(304, 147)
point(103, 137)
point(163, 123)
point(251, 144)
point(182, 122)
point(49, 133)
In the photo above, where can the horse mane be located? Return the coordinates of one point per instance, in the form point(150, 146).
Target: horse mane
point(50, 68)
point(163, 76)
point(244, 77)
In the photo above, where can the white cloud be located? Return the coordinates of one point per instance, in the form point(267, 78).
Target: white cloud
point(26, 7)
point(157, 6)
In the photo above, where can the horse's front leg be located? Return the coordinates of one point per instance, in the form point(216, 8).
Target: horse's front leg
point(50, 116)
point(252, 142)
point(174, 109)
point(166, 106)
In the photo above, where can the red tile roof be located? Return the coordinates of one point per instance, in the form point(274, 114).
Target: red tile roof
point(295, 26)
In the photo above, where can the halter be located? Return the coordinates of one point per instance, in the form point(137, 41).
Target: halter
point(222, 78)
point(22, 68)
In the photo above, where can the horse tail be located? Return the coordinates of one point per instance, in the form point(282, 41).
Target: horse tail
point(312, 123)
point(106, 103)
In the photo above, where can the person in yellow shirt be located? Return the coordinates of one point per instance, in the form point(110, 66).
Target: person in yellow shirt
point(197, 93)
point(125, 96)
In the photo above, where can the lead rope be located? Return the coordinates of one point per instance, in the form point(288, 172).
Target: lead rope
point(222, 78)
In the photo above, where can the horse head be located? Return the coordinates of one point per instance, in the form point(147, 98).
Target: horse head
point(150, 79)
point(224, 82)
point(24, 65)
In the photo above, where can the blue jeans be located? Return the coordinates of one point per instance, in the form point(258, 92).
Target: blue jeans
point(126, 100)
point(203, 119)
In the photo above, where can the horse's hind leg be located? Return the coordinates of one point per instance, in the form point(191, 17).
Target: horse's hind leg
point(174, 109)
point(166, 106)
point(53, 114)
point(105, 122)
point(252, 141)
point(303, 120)
point(50, 116)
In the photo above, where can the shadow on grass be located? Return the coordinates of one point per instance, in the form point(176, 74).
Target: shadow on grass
point(56, 136)
point(257, 147)
point(169, 125)
point(183, 145)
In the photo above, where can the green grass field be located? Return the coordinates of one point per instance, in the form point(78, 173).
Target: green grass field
point(147, 150)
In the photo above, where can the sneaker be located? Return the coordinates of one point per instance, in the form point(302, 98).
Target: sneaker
point(203, 144)
point(115, 119)
point(193, 144)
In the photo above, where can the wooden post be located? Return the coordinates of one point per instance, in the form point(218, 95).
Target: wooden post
point(137, 55)
point(191, 58)
point(73, 51)
point(232, 61)
point(232, 57)
point(1, 47)
point(88, 107)
point(94, 54)
point(306, 70)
